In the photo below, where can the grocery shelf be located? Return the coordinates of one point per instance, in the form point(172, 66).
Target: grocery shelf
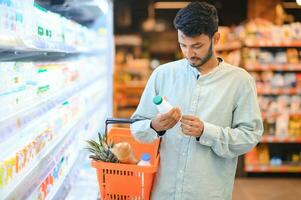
point(61, 180)
point(43, 163)
point(28, 114)
point(263, 43)
point(45, 41)
point(17, 55)
point(278, 91)
point(63, 186)
point(229, 46)
point(273, 67)
point(273, 169)
point(44, 125)
point(131, 84)
point(280, 139)
point(275, 114)
point(62, 189)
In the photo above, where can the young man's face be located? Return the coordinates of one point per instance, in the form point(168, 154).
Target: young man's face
point(197, 49)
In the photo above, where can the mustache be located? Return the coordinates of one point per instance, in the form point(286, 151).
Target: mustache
point(195, 58)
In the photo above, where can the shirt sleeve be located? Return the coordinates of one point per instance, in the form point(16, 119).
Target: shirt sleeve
point(246, 129)
point(145, 111)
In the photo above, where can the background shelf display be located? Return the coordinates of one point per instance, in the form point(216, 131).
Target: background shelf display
point(272, 55)
point(280, 139)
point(267, 43)
point(56, 83)
point(273, 169)
point(274, 67)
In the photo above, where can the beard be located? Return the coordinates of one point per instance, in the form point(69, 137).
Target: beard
point(201, 61)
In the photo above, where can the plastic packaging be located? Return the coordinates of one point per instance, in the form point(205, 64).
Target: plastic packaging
point(124, 153)
point(162, 104)
point(145, 160)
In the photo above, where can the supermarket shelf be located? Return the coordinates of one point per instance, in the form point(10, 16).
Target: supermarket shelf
point(262, 43)
point(84, 178)
point(40, 55)
point(131, 84)
point(279, 139)
point(69, 180)
point(128, 102)
point(59, 183)
point(34, 111)
point(273, 67)
point(14, 55)
point(229, 46)
point(44, 163)
point(279, 91)
point(50, 42)
point(275, 114)
point(61, 188)
point(273, 169)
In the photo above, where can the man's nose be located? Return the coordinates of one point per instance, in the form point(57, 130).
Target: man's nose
point(189, 53)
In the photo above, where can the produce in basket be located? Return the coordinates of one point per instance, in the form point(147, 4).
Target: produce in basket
point(102, 150)
point(124, 153)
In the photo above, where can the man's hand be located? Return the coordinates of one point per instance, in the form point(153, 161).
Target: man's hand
point(163, 122)
point(192, 125)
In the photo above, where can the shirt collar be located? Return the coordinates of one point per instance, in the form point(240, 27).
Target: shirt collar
point(197, 73)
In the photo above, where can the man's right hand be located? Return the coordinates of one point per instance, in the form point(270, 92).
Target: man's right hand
point(163, 122)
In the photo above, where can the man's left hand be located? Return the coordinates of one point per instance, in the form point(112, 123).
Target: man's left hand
point(192, 125)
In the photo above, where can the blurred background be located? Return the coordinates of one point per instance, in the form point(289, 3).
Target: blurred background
point(67, 65)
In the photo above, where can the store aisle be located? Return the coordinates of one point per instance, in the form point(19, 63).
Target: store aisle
point(267, 189)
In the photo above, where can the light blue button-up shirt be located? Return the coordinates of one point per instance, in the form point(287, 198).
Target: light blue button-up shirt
point(225, 100)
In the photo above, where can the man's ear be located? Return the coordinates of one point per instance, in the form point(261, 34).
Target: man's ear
point(216, 38)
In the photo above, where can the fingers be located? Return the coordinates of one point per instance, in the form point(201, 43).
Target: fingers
point(191, 125)
point(167, 120)
point(190, 128)
point(190, 120)
point(174, 114)
point(173, 117)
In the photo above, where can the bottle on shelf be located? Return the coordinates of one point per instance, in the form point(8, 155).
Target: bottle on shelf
point(145, 160)
point(162, 104)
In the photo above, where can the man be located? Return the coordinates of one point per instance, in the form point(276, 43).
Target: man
point(217, 117)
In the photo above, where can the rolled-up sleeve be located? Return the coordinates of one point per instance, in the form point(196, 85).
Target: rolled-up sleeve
point(246, 129)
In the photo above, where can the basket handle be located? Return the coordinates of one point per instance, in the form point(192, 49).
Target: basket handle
point(119, 121)
point(124, 121)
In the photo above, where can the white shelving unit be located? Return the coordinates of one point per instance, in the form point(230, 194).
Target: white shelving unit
point(56, 85)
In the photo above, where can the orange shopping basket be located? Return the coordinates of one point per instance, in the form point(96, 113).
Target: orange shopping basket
point(127, 181)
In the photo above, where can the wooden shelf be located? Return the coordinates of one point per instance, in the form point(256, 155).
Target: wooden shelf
point(279, 91)
point(275, 114)
point(126, 97)
point(273, 169)
point(280, 139)
point(132, 84)
point(273, 67)
point(229, 46)
point(262, 43)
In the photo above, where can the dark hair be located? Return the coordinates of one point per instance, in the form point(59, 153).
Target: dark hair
point(197, 18)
